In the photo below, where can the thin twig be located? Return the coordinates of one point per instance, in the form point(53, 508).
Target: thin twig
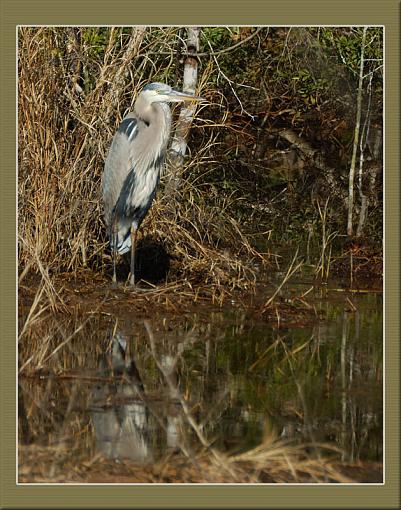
point(291, 270)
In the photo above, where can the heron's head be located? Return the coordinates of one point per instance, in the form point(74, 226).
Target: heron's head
point(162, 93)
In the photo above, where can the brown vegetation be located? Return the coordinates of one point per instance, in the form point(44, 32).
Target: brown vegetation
point(273, 462)
point(64, 134)
point(243, 174)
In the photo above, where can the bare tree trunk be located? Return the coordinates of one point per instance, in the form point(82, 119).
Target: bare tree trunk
point(362, 214)
point(362, 145)
point(179, 143)
point(356, 138)
point(362, 196)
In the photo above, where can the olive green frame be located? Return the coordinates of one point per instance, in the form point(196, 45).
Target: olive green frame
point(206, 12)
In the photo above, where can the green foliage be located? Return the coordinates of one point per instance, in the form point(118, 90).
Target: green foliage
point(346, 44)
point(96, 40)
point(218, 37)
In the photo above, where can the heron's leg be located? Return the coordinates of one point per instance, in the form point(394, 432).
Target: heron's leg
point(133, 248)
point(114, 267)
point(114, 234)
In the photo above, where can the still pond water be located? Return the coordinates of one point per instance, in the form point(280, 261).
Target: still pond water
point(116, 385)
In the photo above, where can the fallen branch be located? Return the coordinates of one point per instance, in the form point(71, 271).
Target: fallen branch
point(316, 158)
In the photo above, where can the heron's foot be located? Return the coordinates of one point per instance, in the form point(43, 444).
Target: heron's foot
point(132, 280)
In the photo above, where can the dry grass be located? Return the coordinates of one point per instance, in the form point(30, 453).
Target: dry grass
point(71, 98)
point(278, 463)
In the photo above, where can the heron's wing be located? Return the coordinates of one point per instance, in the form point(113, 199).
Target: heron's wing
point(138, 191)
point(118, 163)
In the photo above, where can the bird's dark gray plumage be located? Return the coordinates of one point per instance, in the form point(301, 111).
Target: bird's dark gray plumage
point(133, 166)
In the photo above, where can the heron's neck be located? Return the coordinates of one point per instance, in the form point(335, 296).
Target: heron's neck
point(156, 131)
point(161, 122)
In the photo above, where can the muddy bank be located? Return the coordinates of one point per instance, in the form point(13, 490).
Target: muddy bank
point(35, 462)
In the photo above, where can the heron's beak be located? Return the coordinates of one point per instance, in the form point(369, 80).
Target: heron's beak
point(175, 95)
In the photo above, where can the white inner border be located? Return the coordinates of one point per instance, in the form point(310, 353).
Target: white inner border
point(384, 265)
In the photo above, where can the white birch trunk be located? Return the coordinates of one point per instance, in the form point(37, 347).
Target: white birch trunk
point(179, 143)
point(362, 196)
point(356, 139)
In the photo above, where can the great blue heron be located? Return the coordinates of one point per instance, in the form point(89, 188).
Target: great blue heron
point(133, 165)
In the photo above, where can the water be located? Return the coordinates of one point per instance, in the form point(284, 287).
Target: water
point(139, 387)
